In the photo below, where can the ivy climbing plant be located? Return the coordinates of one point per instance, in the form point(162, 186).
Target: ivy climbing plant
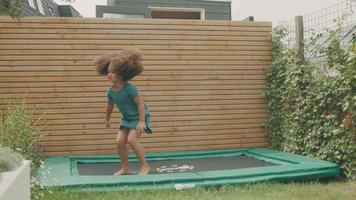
point(309, 112)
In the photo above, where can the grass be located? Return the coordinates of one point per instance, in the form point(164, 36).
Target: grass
point(19, 130)
point(291, 191)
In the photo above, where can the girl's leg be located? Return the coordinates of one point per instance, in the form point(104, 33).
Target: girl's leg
point(137, 147)
point(121, 141)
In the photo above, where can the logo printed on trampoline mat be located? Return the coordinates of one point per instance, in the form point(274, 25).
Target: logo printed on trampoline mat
point(175, 168)
point(179, 186)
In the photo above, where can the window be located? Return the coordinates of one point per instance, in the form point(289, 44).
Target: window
point(122, 16)
point(177, 13)
point(32, 4)
point(40, 7)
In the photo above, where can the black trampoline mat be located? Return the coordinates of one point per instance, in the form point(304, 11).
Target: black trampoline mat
point(175, 166)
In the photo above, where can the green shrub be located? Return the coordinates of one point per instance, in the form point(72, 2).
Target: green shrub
point(11, 8)
point(9, 159)
point(310, 113)
point(19, 131)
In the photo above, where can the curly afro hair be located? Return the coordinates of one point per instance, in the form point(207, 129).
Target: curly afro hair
point(102, 63)
point(127, 64)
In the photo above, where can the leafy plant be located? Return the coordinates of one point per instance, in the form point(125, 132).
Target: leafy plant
point(9, 159)
point(20, 130)
point(11, 8)
point(309, 112)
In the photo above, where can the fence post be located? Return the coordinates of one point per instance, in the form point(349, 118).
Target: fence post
point(299, 36)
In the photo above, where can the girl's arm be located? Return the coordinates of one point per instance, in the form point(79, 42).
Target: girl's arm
point(109, 108)
point(141, 109)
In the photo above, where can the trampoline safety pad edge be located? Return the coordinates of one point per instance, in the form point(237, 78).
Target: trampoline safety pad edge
point(62, 171)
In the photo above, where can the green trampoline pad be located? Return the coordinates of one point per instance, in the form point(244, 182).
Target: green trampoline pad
point(182, 170)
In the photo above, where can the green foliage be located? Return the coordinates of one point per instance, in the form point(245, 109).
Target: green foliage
point(38, 191)
point(11, 8)
point(9, 159)
point(261, 191)
point(19, 131)
point(310, 113)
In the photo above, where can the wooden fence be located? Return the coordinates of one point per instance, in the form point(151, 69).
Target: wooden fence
point(202, 81)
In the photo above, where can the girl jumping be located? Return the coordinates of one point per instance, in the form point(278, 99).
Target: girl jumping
point(135, 117)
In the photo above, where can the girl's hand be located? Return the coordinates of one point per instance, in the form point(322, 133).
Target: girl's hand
point(141, 126)
point(107, 124)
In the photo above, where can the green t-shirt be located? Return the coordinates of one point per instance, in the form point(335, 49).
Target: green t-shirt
point(124, 100)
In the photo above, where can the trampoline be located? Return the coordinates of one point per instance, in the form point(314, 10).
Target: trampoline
point(182, 170)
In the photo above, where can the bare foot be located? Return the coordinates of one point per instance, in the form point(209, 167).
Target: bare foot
point(144, 170)
point(121, 172)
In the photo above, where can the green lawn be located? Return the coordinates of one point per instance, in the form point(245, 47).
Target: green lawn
point(286, 191)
